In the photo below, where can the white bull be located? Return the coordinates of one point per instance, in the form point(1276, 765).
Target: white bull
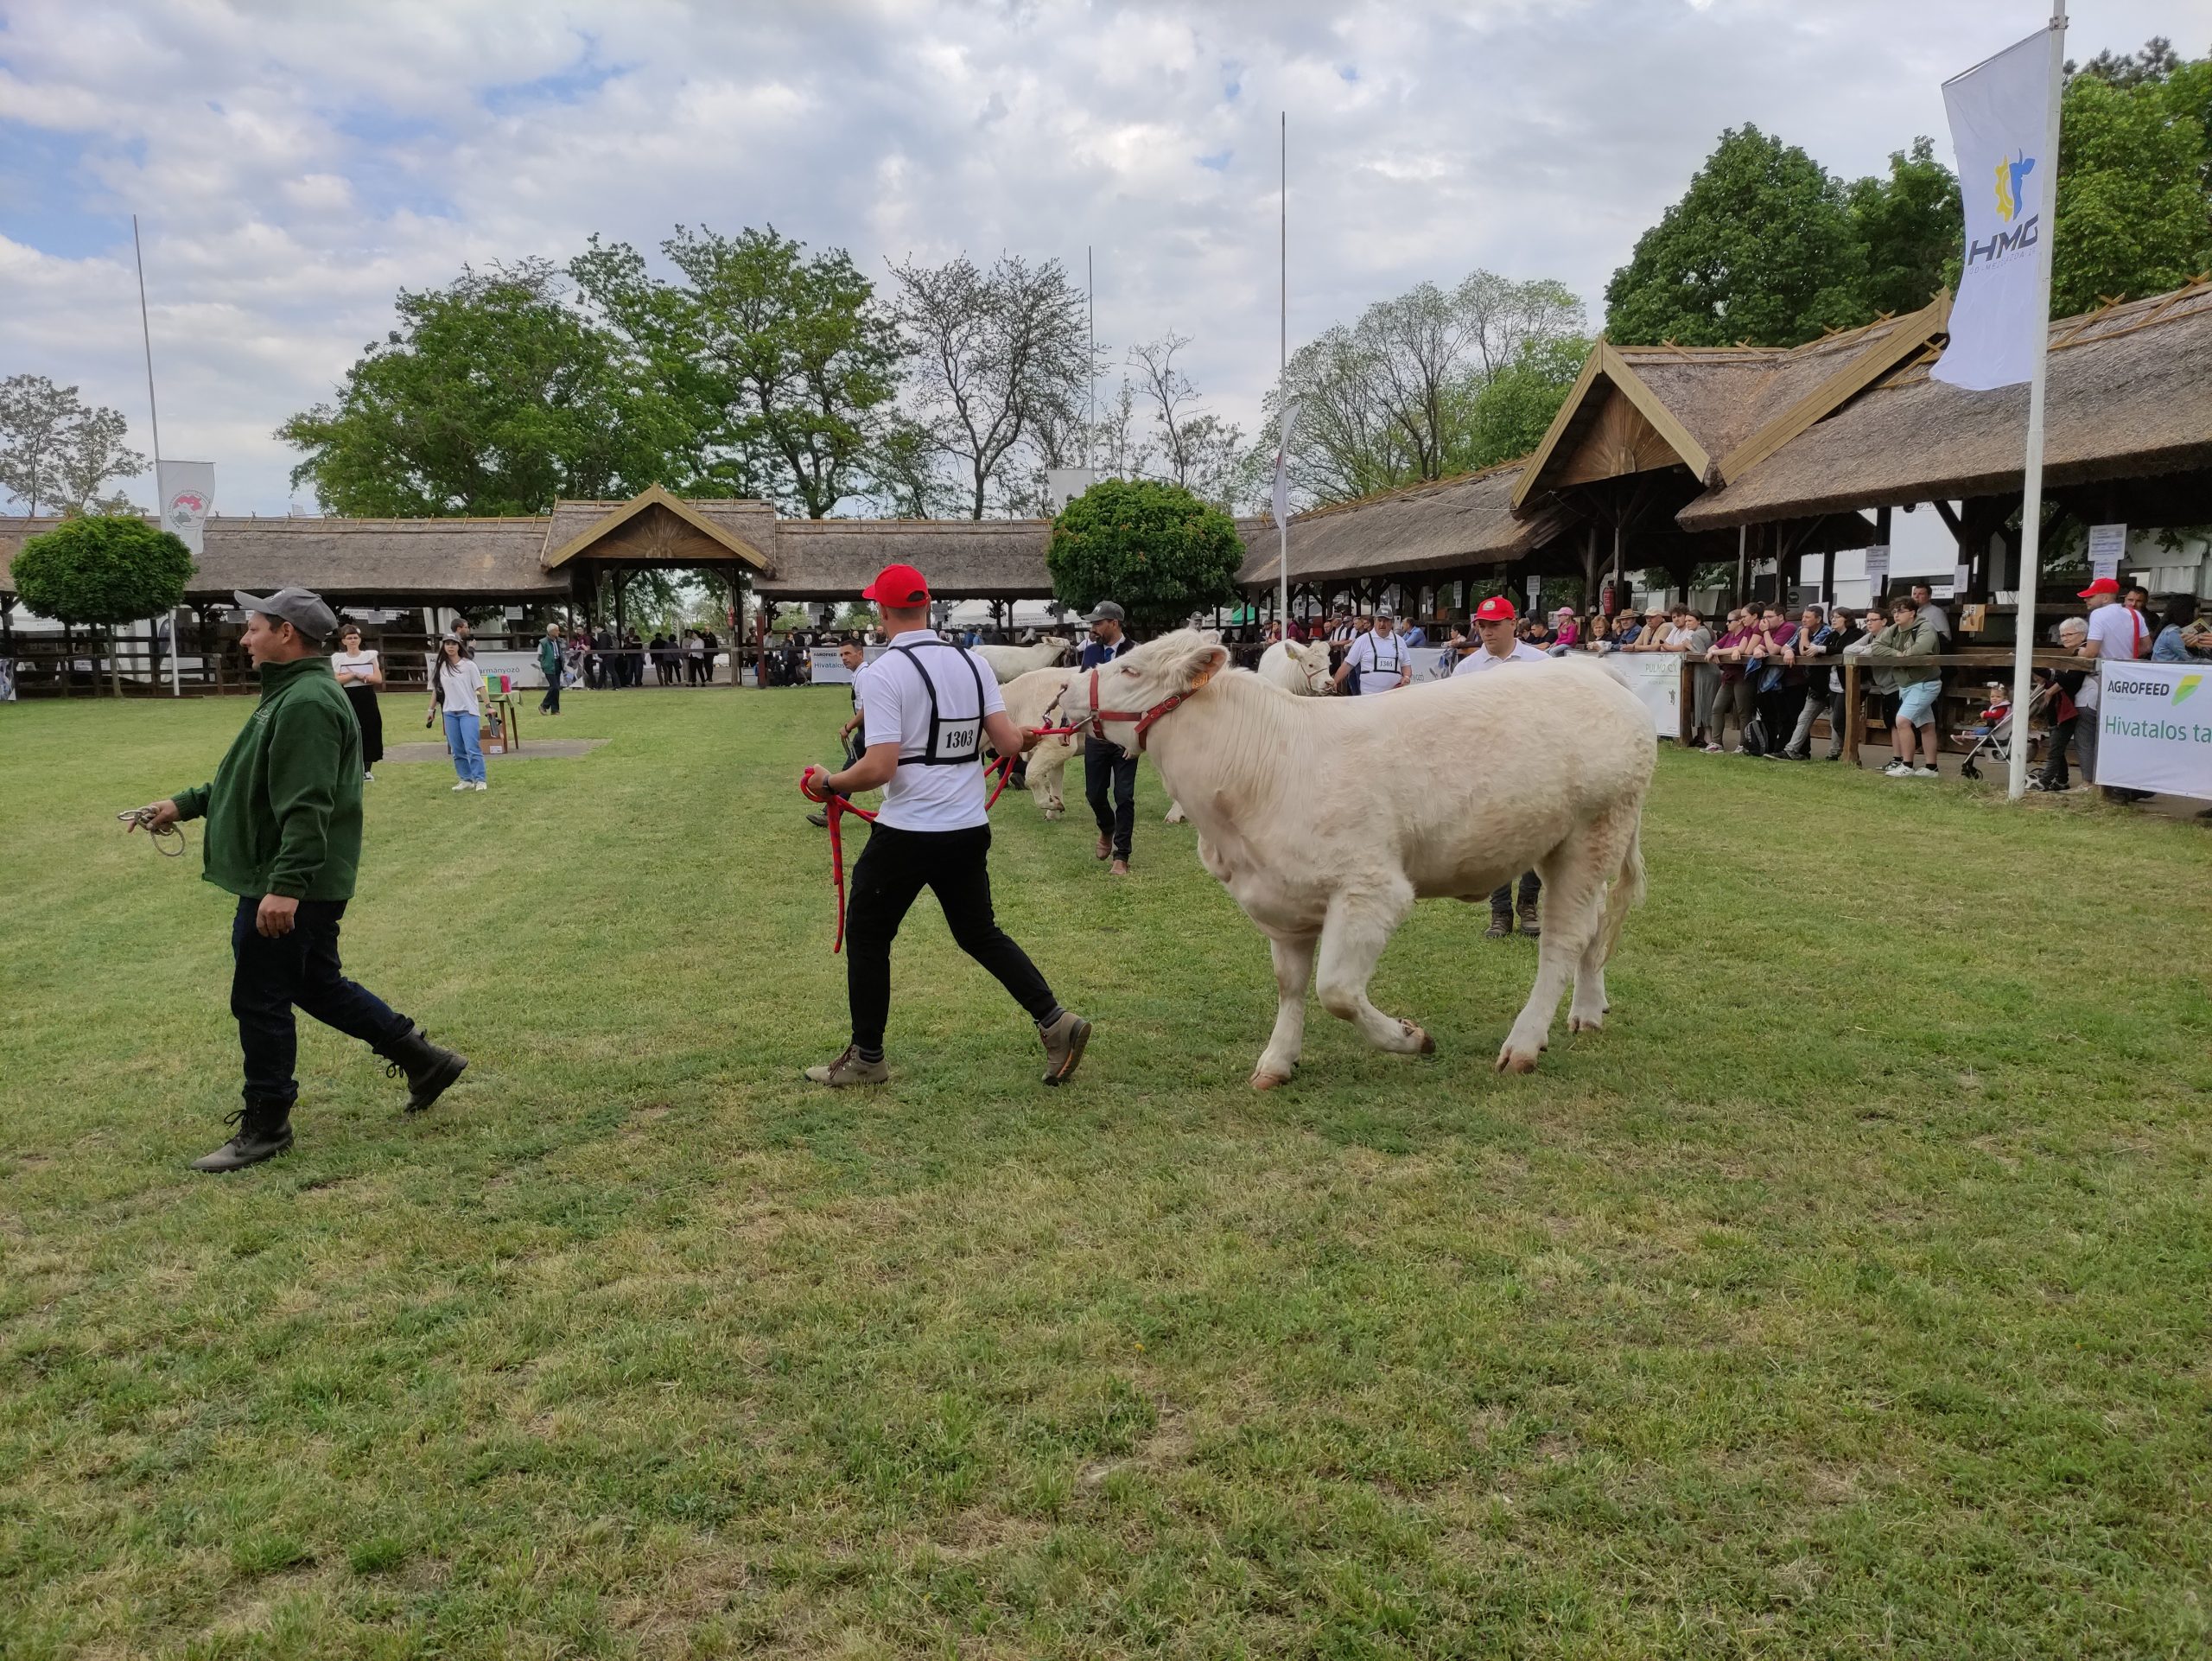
point(1299, 668)
point(1010, 662)
point(1537, 765)
point(1030, 700)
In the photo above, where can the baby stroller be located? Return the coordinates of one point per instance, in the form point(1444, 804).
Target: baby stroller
point(1993, 733)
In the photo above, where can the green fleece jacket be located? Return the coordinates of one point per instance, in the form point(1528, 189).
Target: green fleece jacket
point(285, 811)
point(1917, 638)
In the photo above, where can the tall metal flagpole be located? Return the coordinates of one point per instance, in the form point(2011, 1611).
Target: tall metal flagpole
point(1282, 369)
point(2023, 627)
point(1091, 398)
point(154, 411)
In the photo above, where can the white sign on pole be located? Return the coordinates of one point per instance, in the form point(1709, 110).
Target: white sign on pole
point(187, 492)
point(2155, 728)
point(1996, 113)
point(1656, 678)
point(1281, 500)
point(2107, 545)
point(1877, 568)
point(1535, 586)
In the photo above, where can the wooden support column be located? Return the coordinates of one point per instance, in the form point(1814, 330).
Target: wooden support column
point(1743, 564)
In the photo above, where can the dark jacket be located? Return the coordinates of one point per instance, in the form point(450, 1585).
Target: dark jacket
point(284, 811)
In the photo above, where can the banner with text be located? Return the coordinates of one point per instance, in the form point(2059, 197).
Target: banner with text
point(1996, 128)
point(1656, 678)
point(830, 668)
point(2155, 728)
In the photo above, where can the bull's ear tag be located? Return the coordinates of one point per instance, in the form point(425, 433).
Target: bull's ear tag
point(1204, 674)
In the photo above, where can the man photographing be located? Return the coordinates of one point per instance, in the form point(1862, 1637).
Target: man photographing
point(927, 708)
point(284, 835)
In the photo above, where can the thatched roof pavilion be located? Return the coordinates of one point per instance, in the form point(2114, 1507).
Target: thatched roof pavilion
point(1442, 529)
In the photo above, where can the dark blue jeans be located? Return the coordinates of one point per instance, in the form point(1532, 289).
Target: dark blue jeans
point(1106, 764)
point(270, 978)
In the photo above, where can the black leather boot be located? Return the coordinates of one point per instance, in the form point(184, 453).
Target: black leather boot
point(430, 1070)
point(264, 1131)
point(1530, 925)
point(1501, 923)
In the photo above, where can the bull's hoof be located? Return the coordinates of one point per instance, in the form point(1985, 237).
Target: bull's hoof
point(1586, 1023)
point(1265, 1080)
point(1426, 1046)
point(1509, 1060)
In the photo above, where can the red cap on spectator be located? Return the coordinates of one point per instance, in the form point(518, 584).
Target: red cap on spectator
point(2102, 585)
point(897, 585)
point(1496, 609)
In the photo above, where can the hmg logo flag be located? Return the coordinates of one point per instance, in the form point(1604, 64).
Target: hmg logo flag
point(1996, 128)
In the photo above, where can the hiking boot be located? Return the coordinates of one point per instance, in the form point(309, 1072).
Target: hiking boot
point(1064, 1043)
point(850, 1069)
point(821, 819)
point(430, 1070)
point(264, 1131)
point(1501, 926)
point(1529, 925)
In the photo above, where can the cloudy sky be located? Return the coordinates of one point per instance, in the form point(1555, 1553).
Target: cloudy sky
point(292, 165)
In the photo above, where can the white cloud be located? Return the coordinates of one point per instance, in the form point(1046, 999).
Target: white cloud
point(294, 166)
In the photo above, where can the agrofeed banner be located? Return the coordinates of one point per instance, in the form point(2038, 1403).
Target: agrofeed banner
point(2154, 727)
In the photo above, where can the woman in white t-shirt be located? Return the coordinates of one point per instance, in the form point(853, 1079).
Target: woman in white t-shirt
point(361, 673)
point(457, 692)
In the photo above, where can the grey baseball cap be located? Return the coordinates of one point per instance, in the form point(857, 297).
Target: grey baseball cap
point(1104, 612)
point(304, 610)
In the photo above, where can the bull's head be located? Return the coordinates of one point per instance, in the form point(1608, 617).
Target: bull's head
point(1313, 658)
point(1148, 677)
point(1062, 650)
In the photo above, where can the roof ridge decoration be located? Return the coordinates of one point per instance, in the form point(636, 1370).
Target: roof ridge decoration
point(1605, 358)
point(655, 496)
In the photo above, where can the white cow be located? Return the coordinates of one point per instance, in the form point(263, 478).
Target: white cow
point(1538, 764)
point(1008, 662)
point(1031, 700)
point(1299, 668)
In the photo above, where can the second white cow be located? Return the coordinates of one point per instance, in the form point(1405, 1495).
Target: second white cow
point(1543, 766)
point(1008, 662)
point(1034, 700)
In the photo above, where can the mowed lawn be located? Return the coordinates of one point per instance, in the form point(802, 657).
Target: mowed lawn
point(1847, 1296)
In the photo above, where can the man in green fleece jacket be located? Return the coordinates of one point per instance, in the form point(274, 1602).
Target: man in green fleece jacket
point(284, 835)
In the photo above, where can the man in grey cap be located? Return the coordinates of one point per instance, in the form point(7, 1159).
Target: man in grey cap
point(1105, 763)
point(284, 834)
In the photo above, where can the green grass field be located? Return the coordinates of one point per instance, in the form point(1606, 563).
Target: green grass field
point(1846, 1297)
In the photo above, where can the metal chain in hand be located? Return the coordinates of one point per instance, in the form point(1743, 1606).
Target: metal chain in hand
point(168, 840)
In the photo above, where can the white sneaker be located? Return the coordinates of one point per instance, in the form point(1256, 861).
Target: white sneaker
point(463, 785)
point(483, 784)
point(1897, 770)
point(1917, 773)
point(368, 778)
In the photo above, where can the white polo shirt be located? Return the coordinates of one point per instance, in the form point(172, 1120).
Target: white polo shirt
point(895, 710)
point(2120, 633)
point(1378, 661)
point(1483, 657)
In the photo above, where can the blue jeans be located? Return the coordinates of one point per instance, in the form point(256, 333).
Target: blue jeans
point(461, 739)
point(270, 978)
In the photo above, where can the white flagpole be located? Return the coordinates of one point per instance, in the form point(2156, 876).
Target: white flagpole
point(154, 411)
point(2025, 629)
point(1282, 369)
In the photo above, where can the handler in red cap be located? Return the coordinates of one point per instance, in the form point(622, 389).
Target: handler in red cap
point(928, 705)
point(1494, 620)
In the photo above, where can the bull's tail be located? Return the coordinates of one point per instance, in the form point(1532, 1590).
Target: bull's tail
point(1625, 892)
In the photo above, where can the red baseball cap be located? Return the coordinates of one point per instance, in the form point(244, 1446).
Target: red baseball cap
point(897, 585)
point(1496, 609)
point(2102, 585)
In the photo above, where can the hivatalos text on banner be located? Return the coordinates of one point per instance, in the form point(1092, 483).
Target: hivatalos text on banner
point(2154, 727)
point(1657, 679)
point(829, 669)
point(1997, 111)
point(187, 491)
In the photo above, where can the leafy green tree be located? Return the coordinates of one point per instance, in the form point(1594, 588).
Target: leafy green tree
point(789, 354)
point(1909, 227)
point(55, 451)
point(1760, 248)
point(1512, 412)
point(495, 396)
point(102, 569)
point(1155, 549)
point(2134, 217)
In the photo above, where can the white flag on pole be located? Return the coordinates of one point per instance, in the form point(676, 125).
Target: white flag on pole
point(187, 492)
point(1997, 111)
point(1282, 460)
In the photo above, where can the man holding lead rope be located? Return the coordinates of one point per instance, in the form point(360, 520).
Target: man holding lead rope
point(928, 705)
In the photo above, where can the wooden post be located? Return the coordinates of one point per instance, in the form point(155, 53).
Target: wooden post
point(1686, 701)
point(1851, 711)
point(759, 643)
point(1743, 563)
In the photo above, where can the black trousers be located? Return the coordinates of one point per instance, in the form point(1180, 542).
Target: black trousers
point(270, 978)
point(550, 704)
point(889, 876)
point(1105, 764)
point(1501, 897)
point(2054, 774)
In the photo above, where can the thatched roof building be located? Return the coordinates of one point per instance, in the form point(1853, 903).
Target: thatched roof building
point(966, 559)
point(1445, 526)
point(2129, 398)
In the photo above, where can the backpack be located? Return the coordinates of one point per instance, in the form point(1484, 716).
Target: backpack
point(1755, 739)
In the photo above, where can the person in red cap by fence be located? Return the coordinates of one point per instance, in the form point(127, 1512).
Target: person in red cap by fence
point(2116, 632)
point(928, 708)
point(1494, 620)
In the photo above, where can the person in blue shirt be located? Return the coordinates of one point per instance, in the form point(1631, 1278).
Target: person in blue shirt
point(1104, 763)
